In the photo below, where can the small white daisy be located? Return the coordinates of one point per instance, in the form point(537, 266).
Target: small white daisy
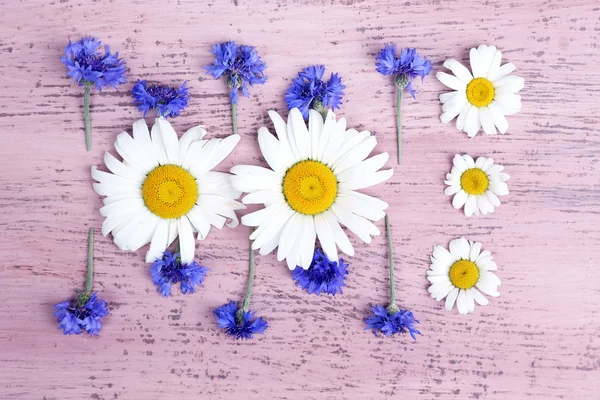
point(312, 187)
point(461, 274)
point(476, 185)
point(164, 188)
point(483, 98)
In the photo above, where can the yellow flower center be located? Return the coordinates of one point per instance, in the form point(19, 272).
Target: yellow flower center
point(464, 274)
point(480, 92)
point(474, 181)
point(310, 187)
point(170, 191)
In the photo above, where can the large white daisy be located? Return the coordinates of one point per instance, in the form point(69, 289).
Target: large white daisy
point(462, 274)
point(483, 98)
point(476, 185)
point(312, 187)
point(164, 188)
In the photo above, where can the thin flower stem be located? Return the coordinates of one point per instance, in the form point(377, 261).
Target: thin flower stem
point(399, 93)
point(90, 271)
point(246, 303)
point(234, 117)
point(86, 115)
point(392, 306)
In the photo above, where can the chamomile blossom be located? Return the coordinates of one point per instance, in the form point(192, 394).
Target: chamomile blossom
point(312, 187)
point(164, 188)
point(476, 185)
point(462, 274)
point(483, 96)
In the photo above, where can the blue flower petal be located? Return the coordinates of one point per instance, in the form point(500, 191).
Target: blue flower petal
point(226, 320)
point(401, 321)
point(323, 275)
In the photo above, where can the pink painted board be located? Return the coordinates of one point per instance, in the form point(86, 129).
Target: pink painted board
point(539, 340)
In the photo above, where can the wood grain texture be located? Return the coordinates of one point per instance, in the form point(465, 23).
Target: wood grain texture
point(539, 340)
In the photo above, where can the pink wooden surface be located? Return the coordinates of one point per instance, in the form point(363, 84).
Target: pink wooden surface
point(538, 340)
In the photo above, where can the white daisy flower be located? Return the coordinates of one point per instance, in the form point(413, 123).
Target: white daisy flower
point(476, 185)
point(461, 274)
point(312, 187)
point(164, 188)
point(483, 98)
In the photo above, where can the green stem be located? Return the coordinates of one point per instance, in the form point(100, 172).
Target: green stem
point(234, 118)
point(86, 116)
point(246, 303)
point(392, 307)
point(399, 93)
point(90, 271)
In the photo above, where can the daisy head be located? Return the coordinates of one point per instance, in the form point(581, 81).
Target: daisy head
point(482, 97)
point(164, 188)
point(312, 187)
point(462, 274)
point(476, 185)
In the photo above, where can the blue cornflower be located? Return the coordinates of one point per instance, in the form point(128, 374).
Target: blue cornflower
point(323, 275)
point(82, 313)
point(390, 323)
point(87, 66)
point(240, 64)
point(309, 90)
point(169, 270)
point(239, 324)
point(165, 101)
point(406, 67)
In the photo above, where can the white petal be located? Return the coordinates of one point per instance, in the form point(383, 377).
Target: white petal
point(275, 153)
point(159, 241)
point(141, 135)
point(122, 170)
point(451, 81)
point(212, 153)
point(272, 226)
point(451, 298)
point(470, 205)
point(470, 300)
point(509, 103)
point(308, 249)
point(453, 107)
point(459, 200)
point(325, 235)
point(315, 126)
point(199, 221)
point(509, 84)
point(476, 64)
point(335, 141)
point(289, 234)
point(444, 97)
point(360, 226)
point(505, 70)
point(165, 141)
point(459, 70)
point(132, 155)
point(352, 179)
point(495, 66)
point(472, 123)
point(362, 204)
point(187, 245)
point(298, 130)
point(474, 251)
point(341, 240)
point(478, 297)
point(191, 135)
point(487, 121)
point(462, 117)
point(461, 302)
point(251, 178)
point(492, 198)
point(355, 156)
